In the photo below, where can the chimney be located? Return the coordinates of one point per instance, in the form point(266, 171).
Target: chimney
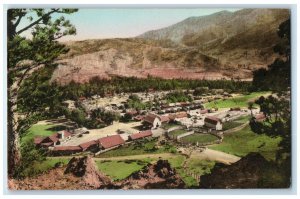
point(61, 135)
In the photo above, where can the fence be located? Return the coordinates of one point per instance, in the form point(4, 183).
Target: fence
point(194, 175)
point(184, 135)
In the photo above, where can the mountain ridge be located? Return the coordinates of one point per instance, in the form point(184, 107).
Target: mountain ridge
point(222, 45)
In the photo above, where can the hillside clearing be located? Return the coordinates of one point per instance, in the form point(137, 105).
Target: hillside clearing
point(244, 141)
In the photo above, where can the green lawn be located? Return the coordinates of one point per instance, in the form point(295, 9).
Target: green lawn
point(177, 132)
point(147, 147)
point(242, 142)
point(200, 138)
point(241, 101)
point(243, 119)
point(169, 125)
point(230, 125)
point(177, 161)
point(200, 167)
point(119, 170)
point(40, 130)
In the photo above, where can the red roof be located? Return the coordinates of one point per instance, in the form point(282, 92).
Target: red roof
point(139, 117)
point(150, 118)
point(55, 136)
point(111, 141)
point(47, 144)
point(164, 118)
point(141, 134)
point(203, 111)
point(184, 103)
point(67, 148)
point(86, 145)
point(132, 112)
point(38, 140)
point(212, 120)
point(260, 116)
point(181, 114)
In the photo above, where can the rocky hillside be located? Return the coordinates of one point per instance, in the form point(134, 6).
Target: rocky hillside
point(154, 176)
point(251, 171)
point(82, 174)
point(222, 45)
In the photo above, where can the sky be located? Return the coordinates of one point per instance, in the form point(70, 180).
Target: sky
point(103, 23)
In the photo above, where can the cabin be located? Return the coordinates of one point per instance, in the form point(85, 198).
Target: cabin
point(164, 118)
point(140, 135)
point(90, 146)
point(213, 123)
point(110, 141)
point(152, 121)
point(52, 140)
point(138, 118)
point(178, 115)
point(65, 150)
point(204, 111)
point(260, 117)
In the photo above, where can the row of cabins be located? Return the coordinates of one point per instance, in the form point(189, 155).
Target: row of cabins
point(104, 143)
point(154, 121)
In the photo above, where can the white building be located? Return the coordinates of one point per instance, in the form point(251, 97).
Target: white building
point(152, 120)
point(213, 122)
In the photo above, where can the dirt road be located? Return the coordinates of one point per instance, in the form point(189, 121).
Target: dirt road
point(207, 154)
point(214, 155)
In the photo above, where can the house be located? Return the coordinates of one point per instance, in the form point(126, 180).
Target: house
point(65, 150)
point(152, 120)
point(204, 111)
point(139, 118)
point(110, 141)
point(260, 117)
point(164, 118)
point(235, 109)
point(213, 122)
point(140, 135)
point(132, 113)
point(91, 146)
point(53, 140)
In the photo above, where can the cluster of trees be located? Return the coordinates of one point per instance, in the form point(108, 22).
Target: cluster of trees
point(277, 76)
point(136, 103)
point(178, 96)
point(277, 108)
point(101, 87)
point(27, 54)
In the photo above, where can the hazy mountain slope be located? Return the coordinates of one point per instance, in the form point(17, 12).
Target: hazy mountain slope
point(222, 45)
point(221, 25)
point(132, 57)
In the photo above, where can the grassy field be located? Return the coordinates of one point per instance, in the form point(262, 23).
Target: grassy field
point(200, 138)
point(230, 125)
point(40, 167)
point(242, 142)
point(177, 132)
point(200, 167)
point(40, 130)
point(119, 170)
point(169, 125)
point(243, 119)
point(241, 101)
point(149, 147)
